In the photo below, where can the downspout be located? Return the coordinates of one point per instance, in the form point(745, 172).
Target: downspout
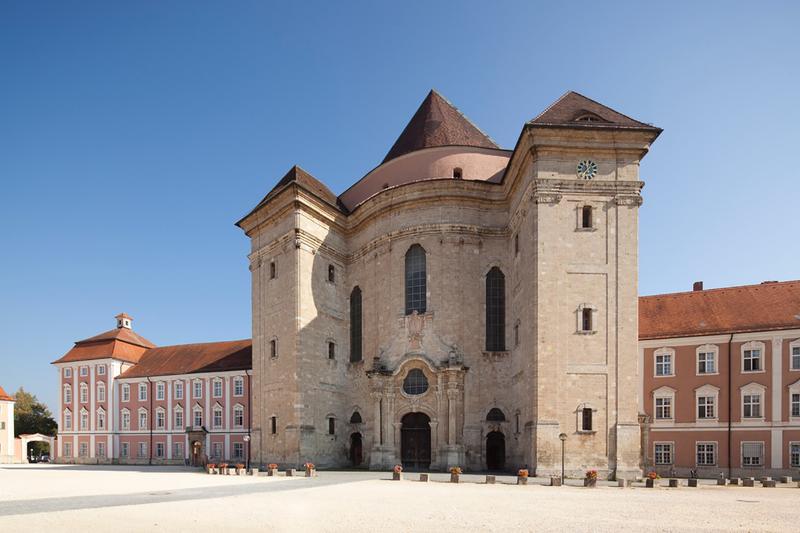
point(730, 400)
point(249, 418)
point(150, 420)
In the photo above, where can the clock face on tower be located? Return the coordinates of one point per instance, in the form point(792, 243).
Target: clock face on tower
point(587, 169)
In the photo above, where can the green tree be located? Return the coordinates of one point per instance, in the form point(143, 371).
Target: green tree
point(32, 416)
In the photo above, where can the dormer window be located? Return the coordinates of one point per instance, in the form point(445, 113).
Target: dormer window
point(457, 173)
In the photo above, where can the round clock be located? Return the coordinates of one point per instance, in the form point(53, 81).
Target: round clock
point(587, 169)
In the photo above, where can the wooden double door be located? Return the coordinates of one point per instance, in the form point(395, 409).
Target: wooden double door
point(415, 441)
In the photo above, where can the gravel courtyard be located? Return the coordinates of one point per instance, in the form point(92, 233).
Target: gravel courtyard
point(80, 498)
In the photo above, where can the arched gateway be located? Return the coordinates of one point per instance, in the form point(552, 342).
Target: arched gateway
point(415, 442)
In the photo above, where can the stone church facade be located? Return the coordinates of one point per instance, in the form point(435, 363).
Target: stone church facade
point(461, 304)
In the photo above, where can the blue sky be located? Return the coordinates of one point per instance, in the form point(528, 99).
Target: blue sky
point(133, 135)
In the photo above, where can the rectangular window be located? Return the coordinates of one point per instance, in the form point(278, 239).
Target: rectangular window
point(67, 449)
point(272, 270)
point(216, 450)
point(67, 394)
point(142, 419)
point(706, 407)
point(101, 370)
point(217, 388)
point(273, 422)
point(101, 421)
point(198, 418)
point(159, 449)
point(331, 350)
point(664, 364)
point(796, 405)
point(331, 426)
point(126, 392)
point(101, 449)
point(516, 244)
point(142, 449)
point(706, 363)
point(238, 417)
point(67, 372)
point(586, 217)
point(752, 453)
point(238, 386)
point(179, 420)
point(795, 357)
point(160, 419)
point(706, 453)
point(663, 453)
point(238, 450)
point(126, 420)
point(273, 348)
point(664, 408)
point(160, 388)
point(198, 390)
point(83, 449)
point(217, 418)
point(67, 420)
point(794, 454)
point(84, 393)
point(124, 449)
point(177, 450)
point(84, 420)
point(84, 371)
point(751, 407)
point(586, 419)
point(586, 319)
point(179, 390)
point(752, 361)
point(101, 392)
point(142, 392)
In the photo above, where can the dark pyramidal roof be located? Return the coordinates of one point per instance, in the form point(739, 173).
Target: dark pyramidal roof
point(575, 110)
point(437, 122)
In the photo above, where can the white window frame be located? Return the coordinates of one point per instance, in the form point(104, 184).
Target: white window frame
point(762, 459)
point(762, 359)
point(216, 450)
point(101, 449)
point(161, 418)
point(792, 463)
point(142, 392)
point(126, 392)
point(84, 371)
point(101, 391)
point(238, 446)
point(217, 384)
point(664, 352)
point(197, 409)
point(706, 349)
point(715, 452)
point(178, 424)
point(579, 421)
point(704, 392)
point(67, 419)
point(195, 384)
point(238, 408)
point(238, 386)
point(125, 419)
point(579, 315)
point(67, 393)
point(67, 372)
point(67, 449)
point(124, 449)
point(753, 390)
point(142, 411)
point(664, 393)
point(794, 345)
point(178, 387)
point(161, 390)
point(671, 452)
point(794, 388)
point(83, 421)
point(177, 450)
point(101, 370)
point(101, 419)
point(160, 451)
point(83, 449)
point(217, 410)
point(142, 450)
point(83, 391)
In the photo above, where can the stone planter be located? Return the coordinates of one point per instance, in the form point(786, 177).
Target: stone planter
point(649, 483)
point(749, 482)
point(490, 480)
point(272, 472)
point(311, 472)
point(423, 478)
point(522, 480)
point(721, 481)
point(673, 483)
point(555, 481)
point(290, 472)
point(692, 482)
point(254, 471)
point(765, 478)
point(786, 479)
point(589, 482)
point(454, 478)
point(212, 470)
point(241, 472)
point(397, 476)
point(736, 481)
point(768, 483)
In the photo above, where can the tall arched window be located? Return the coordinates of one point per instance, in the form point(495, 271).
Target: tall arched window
point(355, 325)
point(495, 311)
point(416, 283)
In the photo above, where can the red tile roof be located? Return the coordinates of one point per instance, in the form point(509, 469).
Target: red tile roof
point(764, 307)
point(570, 108)
point(5, 397)
point(117, 343)
point(437, 122)
point(193, 358)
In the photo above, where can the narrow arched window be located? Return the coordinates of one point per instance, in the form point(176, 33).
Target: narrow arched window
point(355, 418)
point(331, 274)
point(416, 282)
point(355, 325)
point(495, 311)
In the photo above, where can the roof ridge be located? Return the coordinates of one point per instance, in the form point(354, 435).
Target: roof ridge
point(199, 344)
point(548, 108)
point(720, 289)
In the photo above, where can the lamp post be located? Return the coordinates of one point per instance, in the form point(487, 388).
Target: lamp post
point(563, 438)
point(246, 439)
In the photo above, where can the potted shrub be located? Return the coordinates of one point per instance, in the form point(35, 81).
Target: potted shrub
point(272, 469)
point(650, 482)
point(239, 469)
point(590, 480)
point(211, 468)
point(311, 470)
point(522, 476)
point(223, 469)
point(455, 473)
point(397, 472)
